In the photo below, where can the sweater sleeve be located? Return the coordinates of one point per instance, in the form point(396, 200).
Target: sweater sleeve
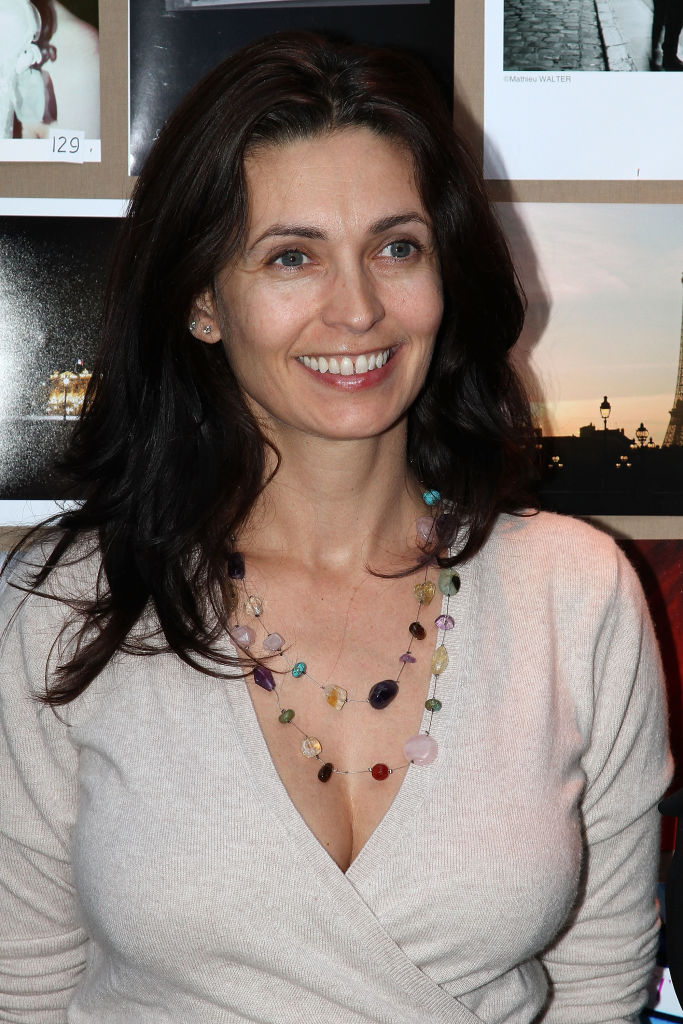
point(601, 965)
point(42, 943)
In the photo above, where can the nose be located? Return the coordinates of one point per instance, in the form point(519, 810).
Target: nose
point(353, 303)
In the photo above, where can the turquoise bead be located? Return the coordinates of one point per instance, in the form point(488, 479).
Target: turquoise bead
point(431, 498)
point(299, 669)
point(433, 704)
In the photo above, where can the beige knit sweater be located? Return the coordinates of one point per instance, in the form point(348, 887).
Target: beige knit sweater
point(154, 871)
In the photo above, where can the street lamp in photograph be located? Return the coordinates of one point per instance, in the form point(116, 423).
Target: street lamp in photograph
point(641, 434)
point(605, 410)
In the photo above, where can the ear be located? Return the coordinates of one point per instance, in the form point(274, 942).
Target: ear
point(204, 322)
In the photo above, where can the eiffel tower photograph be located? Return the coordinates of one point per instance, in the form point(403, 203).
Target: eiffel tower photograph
point(602, 353)
point(674, 432)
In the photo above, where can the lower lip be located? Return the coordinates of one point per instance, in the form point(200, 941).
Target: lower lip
point(354, 382)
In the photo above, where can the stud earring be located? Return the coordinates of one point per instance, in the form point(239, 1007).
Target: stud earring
point(207, 329)
point(193, 324)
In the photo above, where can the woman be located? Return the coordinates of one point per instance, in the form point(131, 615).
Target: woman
point(320, 796)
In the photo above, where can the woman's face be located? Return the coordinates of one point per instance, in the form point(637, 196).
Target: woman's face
point(328, 316)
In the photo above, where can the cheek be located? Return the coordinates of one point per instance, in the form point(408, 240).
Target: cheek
point(423, 308)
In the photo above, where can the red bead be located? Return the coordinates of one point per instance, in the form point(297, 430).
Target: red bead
point(380, 772)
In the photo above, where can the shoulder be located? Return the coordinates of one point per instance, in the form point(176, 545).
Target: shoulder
point(561, 567)
point(556, 545)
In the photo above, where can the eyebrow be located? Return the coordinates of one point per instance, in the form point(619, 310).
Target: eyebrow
point(305, 231)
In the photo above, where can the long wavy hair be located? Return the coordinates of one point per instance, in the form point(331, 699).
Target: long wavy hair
point(166, 452)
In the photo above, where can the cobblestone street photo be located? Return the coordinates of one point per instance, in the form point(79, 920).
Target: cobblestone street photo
point(592, 35)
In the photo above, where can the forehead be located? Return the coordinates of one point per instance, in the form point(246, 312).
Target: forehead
point(346, 177)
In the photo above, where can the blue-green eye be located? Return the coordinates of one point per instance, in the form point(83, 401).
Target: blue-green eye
point(400, 250)
point(291, 258)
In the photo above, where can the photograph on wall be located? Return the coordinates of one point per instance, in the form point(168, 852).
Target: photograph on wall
point(602, 352)
point(174, 43)
point(554, 111)
point(53, 263)
point(49, 81)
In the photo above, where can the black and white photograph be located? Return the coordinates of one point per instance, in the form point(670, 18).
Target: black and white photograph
point(173, 43)
point(50, 81)
point(52, 269)
point(551, 111)
point(592, 35)
point(602, 352)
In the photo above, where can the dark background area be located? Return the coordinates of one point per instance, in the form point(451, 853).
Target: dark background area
point(52, 274)
point(170, 52)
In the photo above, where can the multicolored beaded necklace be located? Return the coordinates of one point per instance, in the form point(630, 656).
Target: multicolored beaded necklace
point(420, 749)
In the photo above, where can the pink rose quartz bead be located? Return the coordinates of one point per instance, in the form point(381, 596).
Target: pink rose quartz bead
point(425, 528)
point(243, 635)
point(420, 749)
point(273, 642)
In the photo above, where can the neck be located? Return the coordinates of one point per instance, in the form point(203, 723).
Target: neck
point(333, 505)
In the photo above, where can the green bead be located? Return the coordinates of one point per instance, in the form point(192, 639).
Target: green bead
point(433, 704)
point(449, 582)
point(299, 669)
point(286, 716)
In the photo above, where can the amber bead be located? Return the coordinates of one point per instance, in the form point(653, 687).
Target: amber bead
point(424, 592)
point(439, 660)
point(417, 630)
point(311, 747)
point(380, 772)
point(336, 696)
point(326, 772)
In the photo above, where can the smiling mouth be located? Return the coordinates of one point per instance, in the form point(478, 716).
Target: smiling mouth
point(345, 366)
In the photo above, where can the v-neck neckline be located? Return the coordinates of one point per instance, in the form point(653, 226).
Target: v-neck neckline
point(269, 789)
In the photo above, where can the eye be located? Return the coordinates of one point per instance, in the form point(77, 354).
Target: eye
point(291, 258)
point(400, 249)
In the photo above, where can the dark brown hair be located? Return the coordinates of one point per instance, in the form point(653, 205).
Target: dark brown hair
point(167, 453)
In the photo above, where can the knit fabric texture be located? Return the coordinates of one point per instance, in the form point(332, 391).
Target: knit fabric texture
point(153, 869)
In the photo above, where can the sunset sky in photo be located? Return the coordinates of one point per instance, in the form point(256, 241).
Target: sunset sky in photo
point(605, 298)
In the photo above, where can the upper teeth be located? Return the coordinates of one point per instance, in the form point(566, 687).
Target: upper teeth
point(345, 365)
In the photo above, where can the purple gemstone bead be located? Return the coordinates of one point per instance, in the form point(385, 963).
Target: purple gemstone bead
point(273, 642)
point(421, 749)
point(243, 635)
point(236, 565)
point(444, 622)
point(382, 694)
point(264, 677)
point(407, 658)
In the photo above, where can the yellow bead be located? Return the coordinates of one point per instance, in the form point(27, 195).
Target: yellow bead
point(439, 660)
point(424, 592)
point(311, 747)
point(336, 696)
